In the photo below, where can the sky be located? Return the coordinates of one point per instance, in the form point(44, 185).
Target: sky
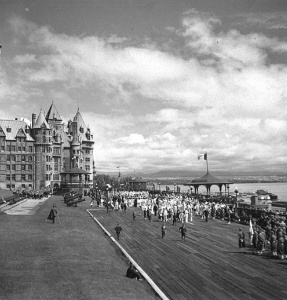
point(157, 81)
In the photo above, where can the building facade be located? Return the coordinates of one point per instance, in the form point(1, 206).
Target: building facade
point(33, 157)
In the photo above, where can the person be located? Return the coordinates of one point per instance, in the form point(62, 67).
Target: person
point(174, 218)
point(118, 230)
point(206, 213)
point(53, 214)
point(132, 272)
point(92, 203)
point(134, 216)
point(241, 238)
point(163, 230)
point(182, 230)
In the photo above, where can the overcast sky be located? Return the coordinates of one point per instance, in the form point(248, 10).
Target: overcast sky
point(158, 81)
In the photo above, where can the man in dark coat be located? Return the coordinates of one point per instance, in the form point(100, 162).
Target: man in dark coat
point(118, 230)
point(53, 214)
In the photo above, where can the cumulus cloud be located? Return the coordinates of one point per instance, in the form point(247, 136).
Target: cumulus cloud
point(225, 96)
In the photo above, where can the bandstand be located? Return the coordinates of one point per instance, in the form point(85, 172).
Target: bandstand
point(209, 180)
point(76, 179)
point(138, 184)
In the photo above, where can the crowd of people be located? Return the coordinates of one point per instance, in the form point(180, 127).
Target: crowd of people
point(265, 228)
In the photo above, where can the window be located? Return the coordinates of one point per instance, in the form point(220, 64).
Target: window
point(13, 177)
point(30, 185)
point(23, 167)
point(8, 186)
point(8, 148)
point(8, 177)
point(14, 167)
point(2, 148)
point(56, 168)
point(47, 176)
point(13, 157)
point(30, 177)
point(8, 157)
point(13, 149)
point(87, 151)
point(19, 149)
point(87, 159)
point(30, 149)
point(8, 129)
point(23, 149)
point(87, 167)
point(23, 157)
point(30, 167)
point(57, 150)
point(23, 177)
point(56, 177)
point(23, 186)
point(8, 167)
point(30, 158)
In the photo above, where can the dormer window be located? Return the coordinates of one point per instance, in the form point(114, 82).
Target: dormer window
point(81, 129)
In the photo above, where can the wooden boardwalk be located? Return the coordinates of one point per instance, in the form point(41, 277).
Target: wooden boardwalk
point(209, 265)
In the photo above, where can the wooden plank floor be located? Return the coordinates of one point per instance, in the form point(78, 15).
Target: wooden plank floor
point(209, 265)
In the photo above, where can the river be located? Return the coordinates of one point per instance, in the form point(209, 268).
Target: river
point(277, 188)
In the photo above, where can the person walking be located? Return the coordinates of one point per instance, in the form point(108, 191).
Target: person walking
point(92, 203)
point(182, 230)
point(163, 230)
point(53, 214)
point(241, 238)
point(134, 216)
point(118, 230)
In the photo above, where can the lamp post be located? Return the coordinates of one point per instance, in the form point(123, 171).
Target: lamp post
point(236, 193)
point(159, 187)
point(174, 187)
point(227, 191)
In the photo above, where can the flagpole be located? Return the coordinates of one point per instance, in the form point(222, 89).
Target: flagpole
point(206, 162)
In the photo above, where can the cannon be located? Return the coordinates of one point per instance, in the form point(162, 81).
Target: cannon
point(74, 202)
point(71, 197)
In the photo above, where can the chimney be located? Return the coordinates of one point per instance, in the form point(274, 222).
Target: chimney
point(33, 120)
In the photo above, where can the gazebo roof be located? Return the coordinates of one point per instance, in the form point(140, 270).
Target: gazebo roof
point(76, 171)
point(208, 179)
point(138, 180)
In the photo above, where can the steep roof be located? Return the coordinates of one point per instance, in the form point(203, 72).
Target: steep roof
point(79, 119)
point(53, 113)
point(83, 132)
point(41, 121)
point(13, 128)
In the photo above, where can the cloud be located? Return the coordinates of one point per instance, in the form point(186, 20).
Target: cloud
point(149, 107)
point(267, 20)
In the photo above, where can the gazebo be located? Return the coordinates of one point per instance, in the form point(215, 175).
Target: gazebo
point(208, 180)
point(76, 179)
point(138, 184)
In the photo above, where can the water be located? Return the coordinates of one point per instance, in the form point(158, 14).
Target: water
point(277, 188)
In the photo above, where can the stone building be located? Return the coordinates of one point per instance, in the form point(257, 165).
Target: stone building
point(34, 157)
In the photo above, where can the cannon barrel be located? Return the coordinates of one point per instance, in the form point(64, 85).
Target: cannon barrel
point(75, 202)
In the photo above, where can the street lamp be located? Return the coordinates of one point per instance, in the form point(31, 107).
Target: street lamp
point(174, 187)
point(227, 191)
point(159, 187)
point(236, 193)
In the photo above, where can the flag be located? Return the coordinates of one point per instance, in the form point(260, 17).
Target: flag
point(202, 156)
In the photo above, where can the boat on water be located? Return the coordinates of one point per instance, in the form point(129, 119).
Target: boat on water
point(264, 195)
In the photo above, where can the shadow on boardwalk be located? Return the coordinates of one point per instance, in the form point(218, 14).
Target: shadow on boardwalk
point(209, 265)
